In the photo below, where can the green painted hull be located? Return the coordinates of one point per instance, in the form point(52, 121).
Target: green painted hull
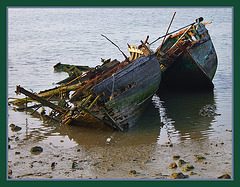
point(193, 69)
point(188, 59)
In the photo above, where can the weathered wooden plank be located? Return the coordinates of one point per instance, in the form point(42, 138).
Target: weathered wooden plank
point(60, 67)
point(44, 102)
point(116, 124)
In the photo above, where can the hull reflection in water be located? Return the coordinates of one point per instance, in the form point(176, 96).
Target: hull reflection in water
point(146, 131)
point(179, 112)
point(171, 117)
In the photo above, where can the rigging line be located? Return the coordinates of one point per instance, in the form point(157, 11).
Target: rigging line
point(171, 33)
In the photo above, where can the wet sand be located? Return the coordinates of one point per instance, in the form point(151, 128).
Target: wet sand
point(113, 156)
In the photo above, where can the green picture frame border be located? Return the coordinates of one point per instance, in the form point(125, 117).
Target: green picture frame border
point(4, 4)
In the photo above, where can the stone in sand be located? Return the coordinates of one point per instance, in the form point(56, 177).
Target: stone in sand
point(179, 175)
point(36, 149)
point(226, 176)
point(172, 165)
point(132, 172)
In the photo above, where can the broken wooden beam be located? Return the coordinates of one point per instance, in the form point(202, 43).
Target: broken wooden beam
point(43, 101)
point(114, 123)
point(97, 80)
point(61, 67)
point(59, 89)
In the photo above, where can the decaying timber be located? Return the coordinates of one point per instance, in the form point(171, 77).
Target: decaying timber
point(70, 68)
point(109, 96)
point(187, 58)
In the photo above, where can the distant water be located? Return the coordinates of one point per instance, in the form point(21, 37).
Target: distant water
point(38, 38)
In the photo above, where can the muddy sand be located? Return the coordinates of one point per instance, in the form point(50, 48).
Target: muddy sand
point(118, 156)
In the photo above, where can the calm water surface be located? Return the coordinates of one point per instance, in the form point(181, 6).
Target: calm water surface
point(38, 38)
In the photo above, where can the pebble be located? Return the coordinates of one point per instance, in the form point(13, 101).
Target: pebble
point(179, 175)
point(192, 173)
point(9, 172)
point(12, 125)
point(16, 128)
point(181, 162)
point(74, 165)
point(185, 169)
point(48, 176)
point(132, 172)
point(36, 149)
point(107, 170)
point(53, 165)
point(190, 166)
point(198, 157)
point(226, 176)
point(172, 165)
point(176, 157)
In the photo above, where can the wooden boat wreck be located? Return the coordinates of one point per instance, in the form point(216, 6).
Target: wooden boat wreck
point(110, 96)
point(187, 58)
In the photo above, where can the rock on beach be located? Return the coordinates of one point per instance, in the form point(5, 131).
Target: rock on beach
point(15, 128)
point(226, 176)
point(36, 149)
point(179, 175)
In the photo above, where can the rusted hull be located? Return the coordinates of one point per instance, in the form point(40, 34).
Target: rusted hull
point(130, 90)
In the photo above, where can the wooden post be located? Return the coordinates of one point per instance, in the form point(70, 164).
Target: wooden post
point(165, 34)
point(143, 44)
point(146, 39)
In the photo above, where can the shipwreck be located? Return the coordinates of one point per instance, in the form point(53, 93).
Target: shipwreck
point(113, 95)
point(110, 96)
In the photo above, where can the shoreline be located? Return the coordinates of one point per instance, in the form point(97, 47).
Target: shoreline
point(117, 162)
